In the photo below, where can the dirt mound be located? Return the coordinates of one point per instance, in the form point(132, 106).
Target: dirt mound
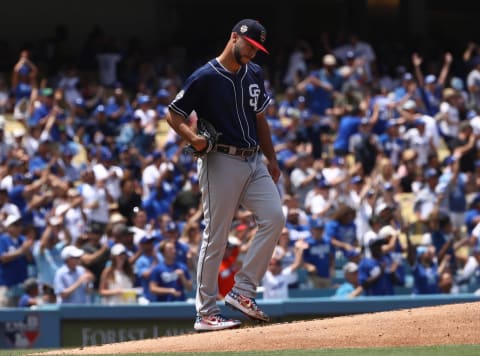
point(441, 325)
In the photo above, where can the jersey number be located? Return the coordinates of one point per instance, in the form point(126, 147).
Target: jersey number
point(254, 92)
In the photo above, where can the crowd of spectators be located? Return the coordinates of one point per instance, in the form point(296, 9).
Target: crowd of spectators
point(100, 204)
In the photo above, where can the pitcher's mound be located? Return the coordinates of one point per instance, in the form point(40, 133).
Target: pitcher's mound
point(441, 325)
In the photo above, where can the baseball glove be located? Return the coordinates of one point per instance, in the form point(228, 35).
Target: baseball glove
point(205, 129)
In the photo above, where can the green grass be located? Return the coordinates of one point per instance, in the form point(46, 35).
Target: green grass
point(450, 350)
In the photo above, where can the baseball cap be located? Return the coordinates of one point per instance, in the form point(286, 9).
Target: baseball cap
point(386, 231)
point(147, 238)
point(350, 267)
point(431, 172)
point(171, 226)
point(252, 31)
point(407, 76)
point(317, 224)
point(329, 60)
point(409, 105)
point(117, 249)
point(71, 251)
point(430, 79)
point(11, 219)
point(163, 93)
point(350, 55)
point(356, 180)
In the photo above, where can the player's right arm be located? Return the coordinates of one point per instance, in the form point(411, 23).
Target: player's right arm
point(181, 127)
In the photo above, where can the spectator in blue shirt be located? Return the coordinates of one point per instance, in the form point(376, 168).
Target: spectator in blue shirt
point(378, 273)
point(73, 282)
point(15, 255)
point(319, 256)
point(350, 288)
point(170, 280)
point(31, 292)
point(145, 265)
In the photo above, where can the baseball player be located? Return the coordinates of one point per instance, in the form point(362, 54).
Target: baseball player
point(236, 167)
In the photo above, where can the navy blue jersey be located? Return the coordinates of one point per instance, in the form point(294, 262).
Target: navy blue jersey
point(229, 101)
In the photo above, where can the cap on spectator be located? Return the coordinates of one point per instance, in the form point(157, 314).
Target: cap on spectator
point(163, 93)
point(430, 79)
point(356, 179)
point(11, 219)
point(157, 154)
point(409, 105)
point(407, 76)
point(419, 122)
point(253, 32)
point(430, 173)
point(364, 121)
point(117, 249)
point(329, 60)
point(387, 231)
point(116, 218)
point(147, 238)
point(350, 55)
point(71, 251)
point(381, 207)
point(338, 161)
point(317, 224)
point(99, 109)
point(388, 187)
point(79, 102)
point(421, 250)
point(350, 267)
point(143, 99)
point(194, 179)
point(171, 226)
point(456, 83)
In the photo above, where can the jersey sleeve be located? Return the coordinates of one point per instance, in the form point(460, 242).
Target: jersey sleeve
point(188, 97)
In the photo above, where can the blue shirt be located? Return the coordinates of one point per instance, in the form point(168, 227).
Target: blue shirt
point(15, 271)
point(425, 279)
point(48, 262)
point(319, 254)
point(369, 267)
point(229, 101)
point(347, 127)
point(142, 264)
point(344, 289)
point(343, 232)
point(64, 278)
point(165, 276)
point(319, 99)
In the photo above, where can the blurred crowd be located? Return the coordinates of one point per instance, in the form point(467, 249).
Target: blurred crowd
point(380, 180)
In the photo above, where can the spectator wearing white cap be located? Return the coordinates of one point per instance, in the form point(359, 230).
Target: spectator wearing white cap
point(117, 278)
point(15, 255)
point(350, 288)
point(73, 283)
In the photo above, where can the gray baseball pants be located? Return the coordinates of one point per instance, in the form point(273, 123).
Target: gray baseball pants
point(228, 182)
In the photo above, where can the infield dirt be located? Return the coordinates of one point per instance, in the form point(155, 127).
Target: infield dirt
point(441, 325)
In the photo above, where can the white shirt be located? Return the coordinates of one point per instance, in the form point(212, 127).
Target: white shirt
point(150, 176)
point(276, 287)
point(93, 194)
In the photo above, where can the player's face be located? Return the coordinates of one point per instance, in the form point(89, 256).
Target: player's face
point(243, 51)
